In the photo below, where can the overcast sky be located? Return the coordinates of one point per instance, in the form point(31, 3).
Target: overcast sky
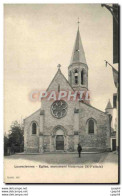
point(37, 37)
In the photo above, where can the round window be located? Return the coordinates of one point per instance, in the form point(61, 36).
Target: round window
point(59, 109)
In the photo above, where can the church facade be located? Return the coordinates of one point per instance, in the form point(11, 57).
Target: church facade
point(60, 125)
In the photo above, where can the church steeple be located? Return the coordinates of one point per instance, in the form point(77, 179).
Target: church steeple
point(78, 69)
point(78, 55)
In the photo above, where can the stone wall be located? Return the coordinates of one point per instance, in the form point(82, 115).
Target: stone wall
point(101, 138)
point(31, 142)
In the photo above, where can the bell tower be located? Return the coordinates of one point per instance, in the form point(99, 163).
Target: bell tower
point(78, 69)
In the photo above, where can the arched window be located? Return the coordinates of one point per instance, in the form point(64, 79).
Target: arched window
point(82, 77)
point(76, 76)
point(91, 126)
point(34, 128)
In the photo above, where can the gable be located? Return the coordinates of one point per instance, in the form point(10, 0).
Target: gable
point(59, 79)
point(33, 117)
point(91, 110)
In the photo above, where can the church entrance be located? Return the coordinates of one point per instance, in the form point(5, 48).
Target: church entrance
point(60, 139)
point(59, 142)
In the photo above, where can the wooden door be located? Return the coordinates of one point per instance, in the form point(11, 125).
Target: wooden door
point(59, 142)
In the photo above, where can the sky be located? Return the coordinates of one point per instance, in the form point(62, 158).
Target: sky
point(38, 37)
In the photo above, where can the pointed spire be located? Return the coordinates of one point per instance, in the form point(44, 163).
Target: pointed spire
point(78, 55)
point(109, 106)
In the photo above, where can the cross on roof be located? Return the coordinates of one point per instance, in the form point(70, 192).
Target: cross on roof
point(78, 22)
point(58, 66)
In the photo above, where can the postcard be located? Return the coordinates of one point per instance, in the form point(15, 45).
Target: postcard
point(61, 93)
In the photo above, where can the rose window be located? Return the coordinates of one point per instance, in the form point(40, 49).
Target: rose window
point(59, 109)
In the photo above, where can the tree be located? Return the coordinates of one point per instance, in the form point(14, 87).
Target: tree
point(6, 144)
point(16, 136)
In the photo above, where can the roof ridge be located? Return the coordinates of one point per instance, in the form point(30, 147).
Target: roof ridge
point(93, 107)
point(32, 113)
point(59, 71)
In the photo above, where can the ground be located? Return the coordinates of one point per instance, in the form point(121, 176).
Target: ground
point(111, 157)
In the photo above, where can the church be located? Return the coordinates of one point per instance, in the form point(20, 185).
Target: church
point(58, 126)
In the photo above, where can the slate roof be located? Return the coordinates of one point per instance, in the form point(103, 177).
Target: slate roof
point(78, 54)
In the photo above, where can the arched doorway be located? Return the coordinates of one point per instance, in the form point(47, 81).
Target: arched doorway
point(59, 140)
